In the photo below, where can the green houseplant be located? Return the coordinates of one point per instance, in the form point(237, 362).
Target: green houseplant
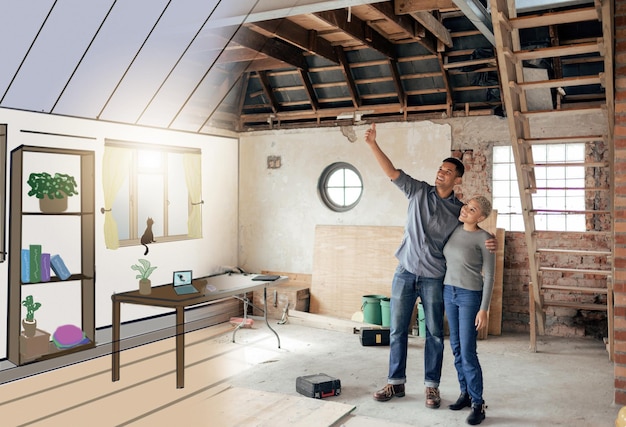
point(57, 188)
point(145, 270)
point(29, 322)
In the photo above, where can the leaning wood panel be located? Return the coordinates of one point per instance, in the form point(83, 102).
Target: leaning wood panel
point(349, 262)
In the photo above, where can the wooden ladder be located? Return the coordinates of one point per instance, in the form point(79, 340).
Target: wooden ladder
point(558, 274)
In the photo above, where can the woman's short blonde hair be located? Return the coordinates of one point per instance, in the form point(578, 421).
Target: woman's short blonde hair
point(484, 204)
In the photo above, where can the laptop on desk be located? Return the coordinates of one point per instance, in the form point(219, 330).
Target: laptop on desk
point(182, 282)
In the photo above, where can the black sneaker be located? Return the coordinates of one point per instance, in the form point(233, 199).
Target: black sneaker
point(389, 391)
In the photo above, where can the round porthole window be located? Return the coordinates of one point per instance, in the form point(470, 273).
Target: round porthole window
point(340, 187)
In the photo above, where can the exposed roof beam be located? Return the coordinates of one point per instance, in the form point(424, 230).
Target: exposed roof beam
point(397, 81)
point(433, 25)
point(404, 7)
point(410, 26)
point(267, 89)
point(358, 29)
point(476, 12)
point(275, 48)
point(347, 72)
point(262, 10)
point(310, 91)
point(301, 37)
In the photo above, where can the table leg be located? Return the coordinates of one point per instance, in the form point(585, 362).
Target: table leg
point(245, 315)
point(265, 315)
point(115, 351)
point(180, 347)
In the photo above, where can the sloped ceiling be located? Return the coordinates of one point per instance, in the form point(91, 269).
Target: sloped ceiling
point(194, 65)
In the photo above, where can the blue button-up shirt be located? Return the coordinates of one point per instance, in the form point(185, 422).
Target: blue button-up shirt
point(430, 222)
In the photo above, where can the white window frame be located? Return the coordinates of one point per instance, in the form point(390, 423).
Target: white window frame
point(129, 199)
point(569, 179)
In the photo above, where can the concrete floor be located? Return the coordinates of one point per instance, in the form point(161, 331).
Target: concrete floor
point(567, 382)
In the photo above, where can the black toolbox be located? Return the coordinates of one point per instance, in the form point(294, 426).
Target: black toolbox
point(374, 336)
point(318, 386)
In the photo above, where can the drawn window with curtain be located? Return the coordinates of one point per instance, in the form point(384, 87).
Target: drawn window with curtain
point(151, 190)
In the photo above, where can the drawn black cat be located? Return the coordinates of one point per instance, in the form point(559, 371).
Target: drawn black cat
point(148, 236)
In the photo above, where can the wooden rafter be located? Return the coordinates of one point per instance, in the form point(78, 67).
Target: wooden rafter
point(359, 30)
point(307, 40)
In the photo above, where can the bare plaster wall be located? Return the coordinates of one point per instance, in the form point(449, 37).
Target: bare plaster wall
point(279, 208)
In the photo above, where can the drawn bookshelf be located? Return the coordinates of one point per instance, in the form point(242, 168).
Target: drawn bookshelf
point(67, 299)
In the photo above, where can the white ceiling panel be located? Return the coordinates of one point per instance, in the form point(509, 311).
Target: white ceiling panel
point(19, 23)
point(184, 80)
point(171, 37)
point(118, 41)
point(55, 52)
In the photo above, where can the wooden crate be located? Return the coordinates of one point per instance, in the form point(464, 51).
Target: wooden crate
point(295, 292)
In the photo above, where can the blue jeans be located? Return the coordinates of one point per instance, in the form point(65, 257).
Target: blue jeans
point(405, 289)
point(462, 305)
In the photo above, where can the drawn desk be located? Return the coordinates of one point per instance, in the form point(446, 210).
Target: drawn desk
point(211, 288)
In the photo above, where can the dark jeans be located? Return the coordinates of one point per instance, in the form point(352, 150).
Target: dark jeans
point(405, 289)
point(462, 305)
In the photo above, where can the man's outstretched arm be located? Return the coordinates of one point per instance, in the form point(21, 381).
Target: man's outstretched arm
point(384, 162)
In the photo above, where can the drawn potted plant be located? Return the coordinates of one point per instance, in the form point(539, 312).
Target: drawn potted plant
point(145, 270)
point(52, 191)
point(29, 322)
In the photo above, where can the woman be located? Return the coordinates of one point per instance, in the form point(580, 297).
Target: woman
point(468, 286)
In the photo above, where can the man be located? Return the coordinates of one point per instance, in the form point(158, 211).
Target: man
point(432, 216)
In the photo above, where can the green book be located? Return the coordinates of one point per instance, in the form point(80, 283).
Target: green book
point(35, 263)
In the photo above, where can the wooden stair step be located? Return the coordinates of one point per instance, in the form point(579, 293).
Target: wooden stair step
point(574, 251)
point(577, 289)
point(567, 211)
point(576, 270)
point(554, 18)
point(555, 51)
point(558, 114)
point(562, 140)
point(554, 83)
point(580, 306)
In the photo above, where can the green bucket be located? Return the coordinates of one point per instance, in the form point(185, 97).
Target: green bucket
point(421, 321)
point(371, 309)
point(385, 312)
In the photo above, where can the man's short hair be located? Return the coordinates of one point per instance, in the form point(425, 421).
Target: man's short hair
point(460, 167)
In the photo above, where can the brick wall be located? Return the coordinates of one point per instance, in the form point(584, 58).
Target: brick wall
point(619, 201)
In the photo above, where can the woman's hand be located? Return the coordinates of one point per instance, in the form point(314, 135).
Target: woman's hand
point(481, 320)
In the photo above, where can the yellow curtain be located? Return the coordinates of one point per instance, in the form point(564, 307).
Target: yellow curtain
point(193, 177)
point(115, 167)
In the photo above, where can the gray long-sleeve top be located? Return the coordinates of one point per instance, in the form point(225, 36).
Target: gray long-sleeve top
point(469, 264)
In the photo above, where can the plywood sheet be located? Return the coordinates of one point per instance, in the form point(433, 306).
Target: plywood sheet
point(349, 262)
point(352, 261)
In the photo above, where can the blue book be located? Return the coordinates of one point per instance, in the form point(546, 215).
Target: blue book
point(59, 267)
point(25, 266)
point(45, 267)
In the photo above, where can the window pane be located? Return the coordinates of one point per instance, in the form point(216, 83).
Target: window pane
point(502, 172)
point(517, 223)
point(502, 154)
point(500, 189)
point(575, 152)
point(150, 203)
point(121, 211)
point(177, 196)
point(336, 196)
point(352, 195)
point(352, 179)
point(575, 222)
point(336, 179)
